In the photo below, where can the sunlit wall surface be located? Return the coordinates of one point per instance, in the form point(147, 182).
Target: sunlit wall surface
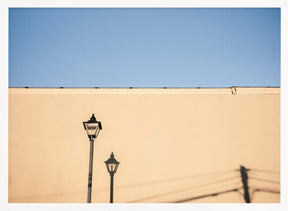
point(172, 144)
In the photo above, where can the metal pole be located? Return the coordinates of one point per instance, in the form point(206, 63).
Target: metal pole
point(111, 187)
point(244, 177)
point(90, 170)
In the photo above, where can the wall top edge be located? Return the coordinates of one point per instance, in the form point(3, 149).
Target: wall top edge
point(26, 87)
point(132, 90)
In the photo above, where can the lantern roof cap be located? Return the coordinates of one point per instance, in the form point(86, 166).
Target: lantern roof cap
point(92, 120)
point(111, 160)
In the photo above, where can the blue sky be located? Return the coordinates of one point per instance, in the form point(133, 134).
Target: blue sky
point(141, 47)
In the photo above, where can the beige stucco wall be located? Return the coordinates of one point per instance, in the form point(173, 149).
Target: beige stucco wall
point(167, 141)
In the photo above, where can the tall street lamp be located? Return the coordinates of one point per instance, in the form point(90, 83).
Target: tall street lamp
point(93, 128)
point(112, 166)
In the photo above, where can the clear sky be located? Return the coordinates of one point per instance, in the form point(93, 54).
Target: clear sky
point(141, 47)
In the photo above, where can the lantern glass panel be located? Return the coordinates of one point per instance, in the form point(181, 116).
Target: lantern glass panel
point(116, 167)
point(111, 167)
point(92, 128)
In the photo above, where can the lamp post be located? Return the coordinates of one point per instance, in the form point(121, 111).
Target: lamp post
point(112, 166)
point(92, 128)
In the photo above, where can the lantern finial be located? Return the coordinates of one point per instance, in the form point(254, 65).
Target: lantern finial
point(92, 117)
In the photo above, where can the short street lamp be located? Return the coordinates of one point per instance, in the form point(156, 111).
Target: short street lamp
point(93, 128)
point(112, 166)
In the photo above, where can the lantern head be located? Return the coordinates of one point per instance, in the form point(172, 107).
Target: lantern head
point(112, 164)
point(92, 127)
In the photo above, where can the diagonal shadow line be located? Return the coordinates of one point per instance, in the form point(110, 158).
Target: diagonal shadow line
point(183, 190)
point(266, 171)
point(255, 189)
point(266, 190)
point(207, 195)
point(176, 179)
point(264, 180)
point(47, 195)
point(123, 186)
point(269, 191)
